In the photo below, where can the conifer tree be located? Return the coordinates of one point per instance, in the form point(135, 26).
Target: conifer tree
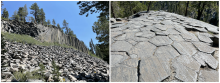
point(35, 11)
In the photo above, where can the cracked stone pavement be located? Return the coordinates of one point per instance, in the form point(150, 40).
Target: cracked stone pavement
point(164, 47)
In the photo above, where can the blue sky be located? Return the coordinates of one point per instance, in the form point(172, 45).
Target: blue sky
point(60, 10)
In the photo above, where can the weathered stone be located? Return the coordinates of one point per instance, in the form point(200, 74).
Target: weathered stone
point(120, 37)
point(131, 41)
point(153, 69)
point(208, 76)
point(117, 59)
point(189, 37)
point(185, 48)
point(203, 58)
point(166, 52)
point(177, 38)
point(120, 74)
point(184, 73)
point(121, 46)
point(146, 34)
point(189, 62)
point(143, 49)
point(161, 40)
point(204, 39)
point(131, 62)
point(203, 47)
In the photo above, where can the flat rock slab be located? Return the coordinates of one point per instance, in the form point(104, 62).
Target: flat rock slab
point(120, 37)
point(203, 47)
point(166, 52)
point(208, 76)
point(185, 48)
point(154, 69)
point(121, 46)
point(184, 73)
point(189, 37)
point(146, 34)
point(131, 62)
point(189, 62)
point(203, 58)
point(176, 38)
point(204, 38)
point(161, 40)
point(143, 49)
point(117, 59)
point(124, 74)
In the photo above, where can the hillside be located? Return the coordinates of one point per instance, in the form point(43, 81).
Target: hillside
point(37, 53)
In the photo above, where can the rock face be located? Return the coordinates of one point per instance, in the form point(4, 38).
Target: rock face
point(42, 33)
point(160, 46)
point(73, 65)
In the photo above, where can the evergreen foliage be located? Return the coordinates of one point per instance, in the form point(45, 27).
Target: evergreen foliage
point(35, 10)
point(5, 13)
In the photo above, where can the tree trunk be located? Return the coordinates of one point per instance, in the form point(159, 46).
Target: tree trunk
point(148, 8)
point(201, 10)
point(112, 11)
point(187, 4)
point(24, 19)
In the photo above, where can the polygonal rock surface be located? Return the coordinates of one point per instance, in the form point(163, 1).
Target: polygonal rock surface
point(161, 40)
point(208, 76)
point(171, 31)
point(189, 62)
point(203, 58)
point(117, 59)
point(176, 38)
point(185, 48)
point(120, 37)
point(121, 46)
point(184, 73)
point(189, 37)
point(143, 49)
point(124, 74)
point(154, 69)
point(166, 52)
point(131, 62)
point(204, 38)
point(203, 47)
point(146, 34)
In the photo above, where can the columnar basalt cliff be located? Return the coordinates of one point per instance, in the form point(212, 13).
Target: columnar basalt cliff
point(160, 46)
point(42, 33)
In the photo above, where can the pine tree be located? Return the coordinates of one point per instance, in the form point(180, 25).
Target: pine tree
point(5, 13)
point(54, 23)
point(15, 16)
point(21, 13)
point(35, 11)
point(48, 23)
point(65, 26)
point(25, 12)
point(41, 16)
point(58, 26)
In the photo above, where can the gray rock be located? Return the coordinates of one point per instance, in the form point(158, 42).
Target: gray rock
point(120, 74)
point(166, 52)
point(208, 76)
point(121, 46)
point(176, 38)
point(189, 62)
point(189, 37)
point(154, 69)
point(184, 73)
point(204, 39)
point(203, 58)
point(161, 40)
point(203, 47)
point(140, 49)
point(185, 48)
point(146, 34)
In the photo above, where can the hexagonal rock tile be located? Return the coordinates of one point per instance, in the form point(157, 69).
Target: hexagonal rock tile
point(189, 62)
point(131, 62)
point(114, 34)
point(154, 69)
point(204, 38)
point(171, 31)
point(161, 27)
point(176, 38)
point(131, 41)
point(120, 37)
point(167, 22)
point(183, 73)
point(146, 34)
point(143, 49)
point(185, 48)
point(124, 74)
point(203, 58)
point(203, 47)
point(121, 46)
point(208, 76)
point(161, 40)
point(166, 52)
point(130, 35)
point(189, 37)
point(141, 39)
point(117, 58)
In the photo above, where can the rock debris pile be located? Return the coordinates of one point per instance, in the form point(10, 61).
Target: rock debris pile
point(163, 47)
point(73, 65)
